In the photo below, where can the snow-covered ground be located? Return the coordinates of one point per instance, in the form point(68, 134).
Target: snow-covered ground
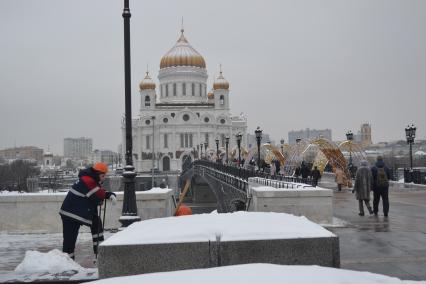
point(228, 227)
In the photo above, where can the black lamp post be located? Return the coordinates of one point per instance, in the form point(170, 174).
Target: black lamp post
point(258, 133)
point(226, 148)
point(153, 152)
point(201, 146)
point(129, 211)
point(198, 151)
point(217, 149)
point(239, 137)
point(282, 146)
point(410, 134)
point(350, 137)
point(205, 149)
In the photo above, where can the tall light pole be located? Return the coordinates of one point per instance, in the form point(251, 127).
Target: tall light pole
point(226, 148)
point(239, 137)
point(282, 146)
point(217, 149)
point(129, 212)
point(201, 145)
point(258, 133)
point(205, 149)
point(198, 151)
point(153, 151)
point(350, 137)
point(410, 134)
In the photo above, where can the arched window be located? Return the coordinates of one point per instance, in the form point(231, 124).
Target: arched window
point(184, 89)
point(167, 90)
point(174, 89)
point(193, 89)
point(222, 99)
point(147, 101)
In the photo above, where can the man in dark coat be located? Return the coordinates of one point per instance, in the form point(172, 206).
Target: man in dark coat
point(316, 175)
point(381, 177)
point(363, 186)
point(80, 207)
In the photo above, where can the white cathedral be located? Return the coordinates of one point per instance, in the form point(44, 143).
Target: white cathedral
point(181, 116)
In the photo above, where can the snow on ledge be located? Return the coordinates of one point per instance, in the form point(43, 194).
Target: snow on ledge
point(237, 226)
point(259, 273)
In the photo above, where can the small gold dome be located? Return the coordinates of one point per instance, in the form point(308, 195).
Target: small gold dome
point(147, 83)
point(182, 54)
point(210, 96)
point(220, 83)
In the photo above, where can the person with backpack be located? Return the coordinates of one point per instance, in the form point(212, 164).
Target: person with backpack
point(381, 176)
point(362, 187)
point(80, 207)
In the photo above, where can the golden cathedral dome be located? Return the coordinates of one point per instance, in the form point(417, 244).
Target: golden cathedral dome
point(147, 83)
point(182, 54)
point(220, 83)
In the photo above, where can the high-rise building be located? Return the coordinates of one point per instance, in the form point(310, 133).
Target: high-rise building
point(308, 134)
point(364, 135)
point(77, 148)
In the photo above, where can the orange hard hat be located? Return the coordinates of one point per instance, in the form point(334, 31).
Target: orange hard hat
point(183, 210)
point(100, 167)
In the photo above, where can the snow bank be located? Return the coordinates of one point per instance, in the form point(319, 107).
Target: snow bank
point(259, 273)
point(228, 227)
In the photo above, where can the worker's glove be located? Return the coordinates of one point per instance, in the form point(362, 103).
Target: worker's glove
point(109, 194)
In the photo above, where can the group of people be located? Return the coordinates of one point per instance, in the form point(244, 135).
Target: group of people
point(374, 179)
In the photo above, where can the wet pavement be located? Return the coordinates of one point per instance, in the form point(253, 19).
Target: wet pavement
point(394, 246)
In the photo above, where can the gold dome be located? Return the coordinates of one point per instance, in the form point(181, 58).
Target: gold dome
point(182, 54)
point(220, 83)
point(147, 83)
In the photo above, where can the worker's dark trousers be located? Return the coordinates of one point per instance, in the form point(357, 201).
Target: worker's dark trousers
point(70, 233)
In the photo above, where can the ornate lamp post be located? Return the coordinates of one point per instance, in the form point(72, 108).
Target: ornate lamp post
point(205, 149)
point(239, 137)
point(129, 211)
point(258, 133)
point(410, 134)
point(217, 149)
point(282, 146)
point(350, 137)
point(201, 147)
point(153, 152)
point(198, 151)
point(226, 148)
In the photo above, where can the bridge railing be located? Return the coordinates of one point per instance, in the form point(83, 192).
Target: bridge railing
point(247, 173)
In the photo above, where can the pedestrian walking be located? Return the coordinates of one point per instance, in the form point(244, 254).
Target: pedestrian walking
point(340, 178)
point(316, 175)
point(363, 186)
point(381, 177)
point(80, 207)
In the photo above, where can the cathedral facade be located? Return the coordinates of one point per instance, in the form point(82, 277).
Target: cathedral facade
point(179, 118)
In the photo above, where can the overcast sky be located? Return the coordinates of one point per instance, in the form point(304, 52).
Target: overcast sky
point(290, 64)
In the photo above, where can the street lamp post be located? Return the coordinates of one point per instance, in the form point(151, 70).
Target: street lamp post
point(410, 134)
point(258, 133)
point(129, 211)
point(201, 145)
point(350, 137)
point(198, 151)
point(282, 146)
point(239, 137)
point(217, 149)
point(205, 149)
point(153, 152)
point(226, 148)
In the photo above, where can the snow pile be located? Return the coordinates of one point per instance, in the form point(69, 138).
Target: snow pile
point(53, 265)
point(259, 273)
point(228, 227)
point(157, 190)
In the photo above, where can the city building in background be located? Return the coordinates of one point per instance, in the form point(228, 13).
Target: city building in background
point(78, 148)
point(363, 136)
point(308, 134)
point(25, 152)
point(178, 121)
point(105, 156)
point(252, 142)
